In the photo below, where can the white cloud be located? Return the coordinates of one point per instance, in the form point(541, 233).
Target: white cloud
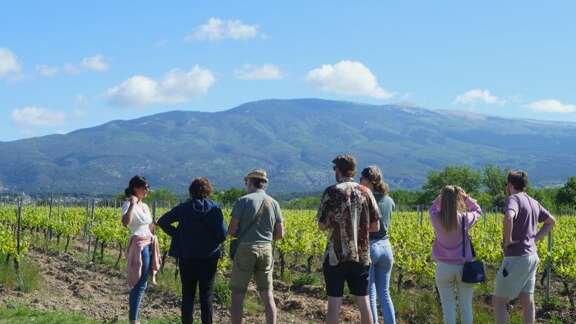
point(47, 71)
point(177, 86)
point(552, 105)
point(255, 72)
point(95, 63)
point(474, 96)
point(347, 77)
point(32, 117)
point(217, 29)
point(136, 91)
point(8, 63)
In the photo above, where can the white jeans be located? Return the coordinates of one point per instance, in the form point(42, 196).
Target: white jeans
point(450, 285)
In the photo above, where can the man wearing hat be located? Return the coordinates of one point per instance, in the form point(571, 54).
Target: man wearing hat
point(256, 222)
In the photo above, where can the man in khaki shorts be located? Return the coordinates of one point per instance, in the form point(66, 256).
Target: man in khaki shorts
point(256, 222)
point(517, 275)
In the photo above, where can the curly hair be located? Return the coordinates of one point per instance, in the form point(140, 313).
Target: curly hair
point(346, 164)
point(200, 188)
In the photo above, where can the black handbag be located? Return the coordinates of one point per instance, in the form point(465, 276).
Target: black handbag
point(473, 271)
point(236, 242)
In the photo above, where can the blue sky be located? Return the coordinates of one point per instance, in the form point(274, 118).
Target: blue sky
point(66, 65)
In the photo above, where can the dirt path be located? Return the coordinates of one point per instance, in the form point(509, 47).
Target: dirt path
point(96, 292)
point(101, 293)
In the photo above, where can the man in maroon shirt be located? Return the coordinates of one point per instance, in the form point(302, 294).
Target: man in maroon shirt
point(517, 275)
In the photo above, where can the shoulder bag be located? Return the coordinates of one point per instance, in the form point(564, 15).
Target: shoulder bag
point(473, 271)
point(236, 242)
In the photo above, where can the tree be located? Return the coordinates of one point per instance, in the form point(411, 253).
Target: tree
point(494, 179)
point(567, 194)
point(547, 197)
point(463, 176)
point(229, 196)
point(163, 195)
point(406, 198)
point(309, 202)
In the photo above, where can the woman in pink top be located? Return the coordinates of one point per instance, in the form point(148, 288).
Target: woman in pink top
point(449, 210)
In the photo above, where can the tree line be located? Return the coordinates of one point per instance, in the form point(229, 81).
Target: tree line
point(487, 184)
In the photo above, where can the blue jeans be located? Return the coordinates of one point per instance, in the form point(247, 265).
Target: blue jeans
point(379, 280)
point(137, 293)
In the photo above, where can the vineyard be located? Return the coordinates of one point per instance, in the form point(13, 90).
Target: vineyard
point(99, 231)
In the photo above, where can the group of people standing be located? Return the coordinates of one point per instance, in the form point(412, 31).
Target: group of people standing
point(356, 217)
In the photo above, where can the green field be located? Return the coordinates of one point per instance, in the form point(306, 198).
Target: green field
point(299, 255)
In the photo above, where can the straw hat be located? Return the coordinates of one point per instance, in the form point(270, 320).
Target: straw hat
point(257, 174)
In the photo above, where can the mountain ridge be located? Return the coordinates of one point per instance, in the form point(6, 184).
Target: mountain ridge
point(293, 139)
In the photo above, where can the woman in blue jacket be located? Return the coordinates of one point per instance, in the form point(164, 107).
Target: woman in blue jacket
point(196, 244)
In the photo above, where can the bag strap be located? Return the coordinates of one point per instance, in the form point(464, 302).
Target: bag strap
point(256, 219)
point(464, 236)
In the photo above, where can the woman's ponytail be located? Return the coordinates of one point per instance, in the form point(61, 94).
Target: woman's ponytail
point(373, 174)
point(381, 187)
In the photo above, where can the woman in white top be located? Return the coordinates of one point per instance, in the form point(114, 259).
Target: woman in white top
point(137, 217)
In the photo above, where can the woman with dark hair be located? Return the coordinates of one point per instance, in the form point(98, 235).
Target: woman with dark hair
point(143, 255)
point(451, 211)
point(380, 249)
point(196, 245)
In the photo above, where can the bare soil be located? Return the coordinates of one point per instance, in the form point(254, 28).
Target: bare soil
point(101, 293)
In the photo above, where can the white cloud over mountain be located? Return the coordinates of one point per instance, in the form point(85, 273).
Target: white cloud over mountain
point(552, 105)
point(347, 77)
point(474, 96)
point(175, 87)
point(258, 72)
point(33, 117)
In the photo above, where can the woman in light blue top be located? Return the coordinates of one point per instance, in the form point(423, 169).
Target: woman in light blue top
point(380, 248)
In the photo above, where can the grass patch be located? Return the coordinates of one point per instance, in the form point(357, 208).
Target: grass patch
point(18, 314)
point(21, 314)
point(252, 304)
point(168, 280)
point(222, 292)
point(417, 308)
point(31, 277)
point(306, 280)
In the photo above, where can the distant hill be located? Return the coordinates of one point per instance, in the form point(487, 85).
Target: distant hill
point(295, 140)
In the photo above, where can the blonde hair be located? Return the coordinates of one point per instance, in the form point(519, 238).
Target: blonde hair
point(451, 203)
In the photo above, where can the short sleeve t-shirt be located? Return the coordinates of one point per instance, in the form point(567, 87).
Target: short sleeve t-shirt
point(527, 214)
point(141, 219)
point(348, 209)
point(245, 210)
point(386, 205)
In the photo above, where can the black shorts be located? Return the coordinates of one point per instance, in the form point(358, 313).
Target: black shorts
point(354, 273)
